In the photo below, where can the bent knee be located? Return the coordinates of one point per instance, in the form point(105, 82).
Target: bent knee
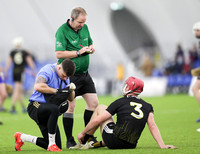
point(101, 107)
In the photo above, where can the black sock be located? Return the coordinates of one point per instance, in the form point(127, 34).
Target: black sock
point(68, 121)
point(87, 116)
point(86, 138)
point(41, 142)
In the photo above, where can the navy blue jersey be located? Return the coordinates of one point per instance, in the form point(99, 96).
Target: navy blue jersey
point(132, 114)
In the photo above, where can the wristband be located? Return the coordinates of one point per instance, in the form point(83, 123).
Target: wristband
point(78, 53)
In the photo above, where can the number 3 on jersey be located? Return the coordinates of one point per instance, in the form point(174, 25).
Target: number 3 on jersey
point(137, 108)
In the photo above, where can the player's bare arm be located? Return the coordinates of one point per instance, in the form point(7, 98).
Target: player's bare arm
point(72, 54)
point(31, 64)
point(42, 87)
point(8, 64)
point(72, 87)
point(66, 54)
point(156, 133)
point(96, 120)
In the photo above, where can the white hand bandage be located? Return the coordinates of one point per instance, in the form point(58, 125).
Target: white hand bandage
point(72, 86)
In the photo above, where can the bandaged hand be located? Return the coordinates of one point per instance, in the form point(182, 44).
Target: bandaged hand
point(72, 87)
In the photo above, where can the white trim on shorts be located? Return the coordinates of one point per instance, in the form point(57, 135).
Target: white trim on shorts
point(108, 130)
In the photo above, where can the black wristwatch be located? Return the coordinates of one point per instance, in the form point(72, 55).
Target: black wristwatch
point(78, 53)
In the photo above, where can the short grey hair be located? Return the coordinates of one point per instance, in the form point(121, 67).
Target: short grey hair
point(77, 11)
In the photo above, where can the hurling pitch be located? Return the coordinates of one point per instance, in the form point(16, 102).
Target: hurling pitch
point(175, 116)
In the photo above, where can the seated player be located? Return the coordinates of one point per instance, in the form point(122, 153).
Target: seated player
point(132, 115)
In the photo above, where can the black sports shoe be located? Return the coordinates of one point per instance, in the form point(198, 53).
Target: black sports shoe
point(71, 142)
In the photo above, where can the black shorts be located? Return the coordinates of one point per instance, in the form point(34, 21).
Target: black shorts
point(84, 84)
point(111, 141)
point(17, 76)
point(33, 111)
point(37, 112)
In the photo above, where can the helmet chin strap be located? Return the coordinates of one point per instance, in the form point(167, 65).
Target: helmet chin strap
point(133, 90)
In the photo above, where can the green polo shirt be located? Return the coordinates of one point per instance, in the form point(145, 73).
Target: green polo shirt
point(68, 39)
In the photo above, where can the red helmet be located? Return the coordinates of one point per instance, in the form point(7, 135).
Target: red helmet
point(133, 85)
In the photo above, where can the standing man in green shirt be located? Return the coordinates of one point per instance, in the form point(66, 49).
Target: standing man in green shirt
point(73, 41)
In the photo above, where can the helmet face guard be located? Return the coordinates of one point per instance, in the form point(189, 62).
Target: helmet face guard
point(133, 85)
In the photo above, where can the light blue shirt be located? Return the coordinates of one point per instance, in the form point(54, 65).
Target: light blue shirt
point(49, 73)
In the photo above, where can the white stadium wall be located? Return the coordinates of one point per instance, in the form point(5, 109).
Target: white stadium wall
point(168, 21)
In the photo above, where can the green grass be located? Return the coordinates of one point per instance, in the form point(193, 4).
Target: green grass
point(175, 116)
